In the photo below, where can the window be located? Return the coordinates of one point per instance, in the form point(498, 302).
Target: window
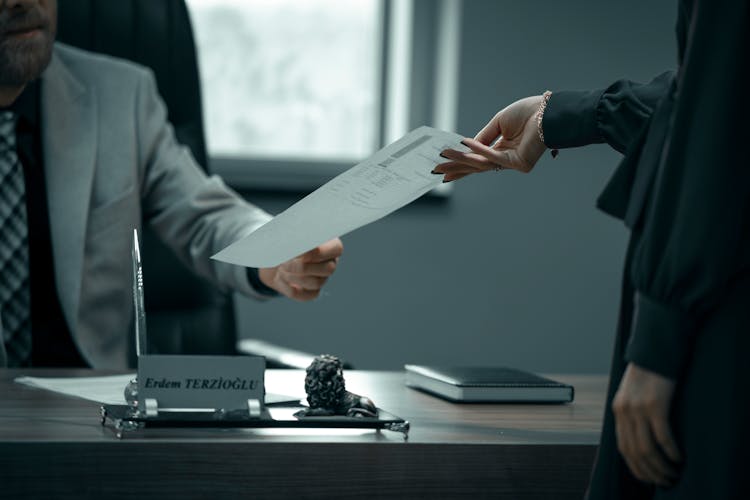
point(295, 92)
point(289, 78)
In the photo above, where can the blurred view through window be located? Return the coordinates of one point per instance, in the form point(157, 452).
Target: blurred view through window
point(289, 78)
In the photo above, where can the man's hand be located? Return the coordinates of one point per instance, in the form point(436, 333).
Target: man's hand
point(302, 277)
point(644, 437)
point(516, 143)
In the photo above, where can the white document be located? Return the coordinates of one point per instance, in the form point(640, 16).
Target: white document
point(391, 178)
point(111, 389)
point(106, 390)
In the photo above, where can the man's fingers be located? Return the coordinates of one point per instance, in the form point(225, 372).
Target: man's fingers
point(329, 250)
point(304, 281)
point(297, 287)
point(321, 269)
point(302, 277)
point(308, 276)
point(281, 286)
point(303, 295)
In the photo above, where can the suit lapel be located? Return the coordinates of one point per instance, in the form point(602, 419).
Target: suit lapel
point(69, 137)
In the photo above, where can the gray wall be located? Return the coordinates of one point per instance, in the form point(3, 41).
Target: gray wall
point(512, 269)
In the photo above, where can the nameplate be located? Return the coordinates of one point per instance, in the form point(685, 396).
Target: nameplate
point(201, 382)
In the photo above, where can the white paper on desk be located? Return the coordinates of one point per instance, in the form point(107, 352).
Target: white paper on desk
point(106, 390)
point(109, 389)
point(391, 178)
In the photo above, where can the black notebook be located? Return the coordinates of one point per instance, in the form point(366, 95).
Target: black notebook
point(487, 384)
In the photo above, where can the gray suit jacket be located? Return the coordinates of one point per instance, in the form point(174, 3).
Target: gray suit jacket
point(110, 161)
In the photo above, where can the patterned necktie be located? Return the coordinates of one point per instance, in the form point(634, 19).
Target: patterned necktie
point(14, 250)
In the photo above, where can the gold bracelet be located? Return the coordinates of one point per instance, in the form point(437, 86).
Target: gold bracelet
point(540, 117)
point(540, 114)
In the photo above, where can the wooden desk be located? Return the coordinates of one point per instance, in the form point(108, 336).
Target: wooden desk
point(52, 446)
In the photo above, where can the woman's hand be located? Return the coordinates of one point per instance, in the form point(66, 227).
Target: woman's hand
point(644, 437)
point(510, 140)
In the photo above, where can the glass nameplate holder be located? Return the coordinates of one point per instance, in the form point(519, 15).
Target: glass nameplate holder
point(176, 391)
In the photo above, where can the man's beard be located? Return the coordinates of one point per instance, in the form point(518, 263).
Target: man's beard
point(24, 58)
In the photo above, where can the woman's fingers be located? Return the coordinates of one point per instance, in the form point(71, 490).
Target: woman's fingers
point(491, 131)
point(477, 161)
point(454, 177)
point(455, 167)
point(665, 439)
point(656, 468)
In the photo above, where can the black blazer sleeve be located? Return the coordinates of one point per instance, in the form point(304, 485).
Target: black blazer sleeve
point(694, 237)
point(613, 115)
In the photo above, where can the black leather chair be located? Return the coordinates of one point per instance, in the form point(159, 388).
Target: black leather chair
point(186, 314)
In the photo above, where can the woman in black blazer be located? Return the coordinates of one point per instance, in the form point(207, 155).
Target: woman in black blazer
point(677, 415)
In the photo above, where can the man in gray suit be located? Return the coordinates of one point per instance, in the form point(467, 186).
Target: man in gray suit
point(86, 154)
